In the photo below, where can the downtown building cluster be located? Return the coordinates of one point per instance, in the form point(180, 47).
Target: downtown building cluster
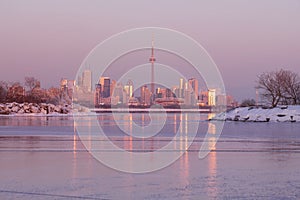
point(108, 92)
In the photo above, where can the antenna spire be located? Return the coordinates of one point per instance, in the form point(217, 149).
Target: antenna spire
point(152, 60)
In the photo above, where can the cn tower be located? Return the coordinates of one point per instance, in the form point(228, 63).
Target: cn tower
point(152, 60)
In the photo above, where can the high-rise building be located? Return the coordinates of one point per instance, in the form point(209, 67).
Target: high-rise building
point(119, 93)
point(193, 83)
point(63, 85)
point(71, 88)
point(187, 97)
point(145, 96)
point(105, 84)
point(181, 88)
point(175, 91)
point(187, 94)
point(112, 87)
point(212, 97)
point(106, 88)
point(98, 91)
point(79, 81)
point(67, 88)
point(129, 88)
point(87, 80)
point(203, 98)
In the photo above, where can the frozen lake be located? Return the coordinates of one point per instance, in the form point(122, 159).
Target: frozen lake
point(44, 158)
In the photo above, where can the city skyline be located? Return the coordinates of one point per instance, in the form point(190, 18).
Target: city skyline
point(107, 91)
point(262, 36)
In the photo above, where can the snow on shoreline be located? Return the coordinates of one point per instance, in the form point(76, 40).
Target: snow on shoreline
point(259, 114)
point(33, 109)
point(289, 113)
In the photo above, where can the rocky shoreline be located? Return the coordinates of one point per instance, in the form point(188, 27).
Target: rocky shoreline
point(33, 108)
point(289, 113)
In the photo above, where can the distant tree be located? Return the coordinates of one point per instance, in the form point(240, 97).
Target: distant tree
point(15, 93)
point(291, 87)
point(31, 83)
point(38, 95)
point(248, 102)
point(270, 84)
point(34, 91)
point(3, 91)
point(53, 95)
point(281, 86)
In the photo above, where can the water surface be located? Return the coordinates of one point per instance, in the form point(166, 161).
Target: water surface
point(43, 158)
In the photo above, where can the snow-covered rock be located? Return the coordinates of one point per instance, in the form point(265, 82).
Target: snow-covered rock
point(15, 109)
point(21, 111)
point(260, 114)
point(33, 108)
point(43, 111)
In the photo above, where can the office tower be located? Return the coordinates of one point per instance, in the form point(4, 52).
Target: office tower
point(112, 86)
point(169, 93)
point(187, 97)
point(175, 91)
point(193, 83)
point(181, 88)
point(212, 97)
point(79, 81)
point(118, 93)
point(129, 88)
point(105, 84)
point(63, 85)
point(145, 96)
point(98, 91)
point(87, 80)
point(187, 94)
point(71, 88)
point(158, 93)
point(106, 88)
point(101, 81)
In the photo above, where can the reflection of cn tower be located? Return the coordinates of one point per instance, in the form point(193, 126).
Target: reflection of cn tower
point(152, 60)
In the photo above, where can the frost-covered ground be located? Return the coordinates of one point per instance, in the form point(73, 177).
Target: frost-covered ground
point(259, 114)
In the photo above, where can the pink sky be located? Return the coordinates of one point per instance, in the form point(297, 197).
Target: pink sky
point(49, 39)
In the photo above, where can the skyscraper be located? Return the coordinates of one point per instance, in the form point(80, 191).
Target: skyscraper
point(112, 86)
point(129, 88)
point(212, 97)
point(98, 92)
point(145, 96)
point(181, 88)
point(105, 84)
point(118, 93)
point(193, 83)
point(87, 80)
point(106, 88)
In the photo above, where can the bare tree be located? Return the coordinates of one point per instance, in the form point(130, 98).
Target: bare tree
point(291, 87)
point(31, 83)
point(34, 91)
point(281, 86)
point(271, 89)
point(3, 91)
point(53, 95)
point(15, 93)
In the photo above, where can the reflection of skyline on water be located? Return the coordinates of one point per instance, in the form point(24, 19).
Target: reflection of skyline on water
point(51, 156)
point(212, 163)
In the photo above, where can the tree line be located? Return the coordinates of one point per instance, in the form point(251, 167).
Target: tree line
point(30, 92)
point(281, 87)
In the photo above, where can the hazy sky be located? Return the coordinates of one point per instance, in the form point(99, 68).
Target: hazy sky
point(49, 39)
